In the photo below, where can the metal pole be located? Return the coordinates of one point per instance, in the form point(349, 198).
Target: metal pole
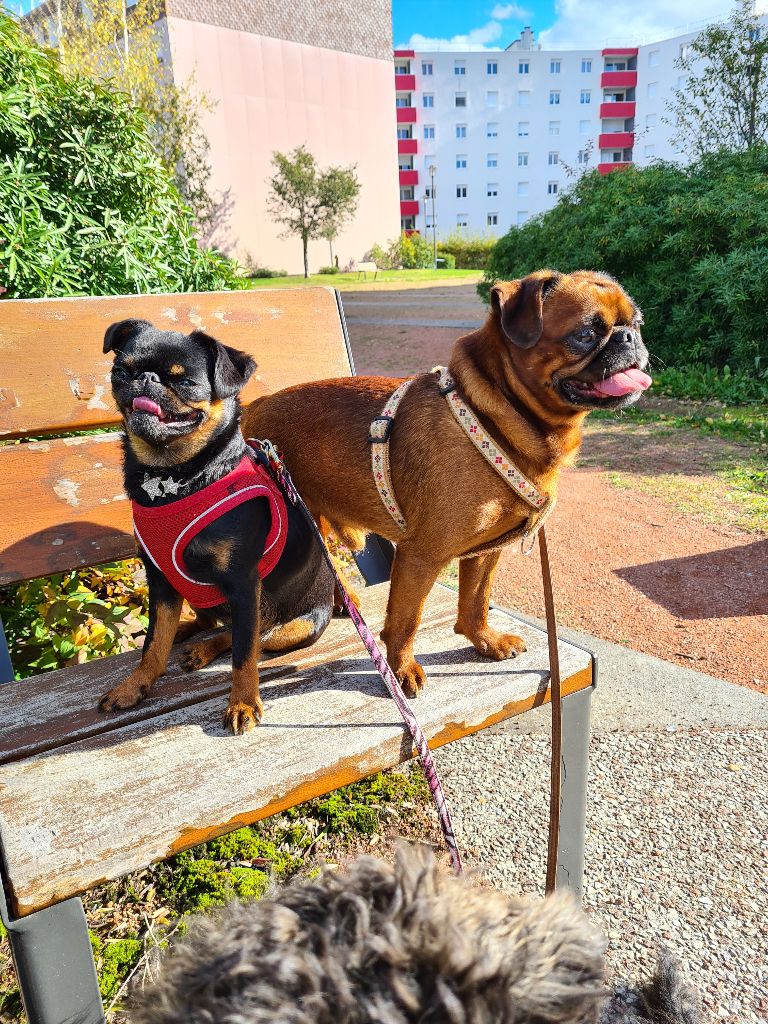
point(434, 226)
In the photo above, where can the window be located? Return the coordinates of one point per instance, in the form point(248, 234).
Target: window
point(429, 131)
point(522, 159)
point(583, 157)
point(492, 160)
point(461, 191)
point(554, 67)
point(653, 90)
point(653, 59)
point(586, 65)
point(429, 223)
point(522, 188)
point(461, 99)
point(461, 163)
point(685, 51)
point(406, 193)
point(616, 156)
point(492, 190)
point(552, 188)
point(459, 67)
point(461, 220)
point(491, 130)
point(553, 158)
point(429, 161)
point(523, 98)
point(404, 133)
point(428, 192)
point(402, 101)
point(522, 217)
point(650, 120)
point(461, 131)
point(426, 68)
point(523, 127)
point(586, 96)
point(492, 220)
point(554, 127)
point(584, 127)
point(523, 67)
point(400, 69)
point(650, 149)
point(554, 97)
point(428, 99)
point(491, 99)
point(492, 67)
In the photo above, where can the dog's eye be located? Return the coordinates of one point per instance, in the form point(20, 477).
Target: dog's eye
point(120, 372)
point(186, 382)
point(585, 337)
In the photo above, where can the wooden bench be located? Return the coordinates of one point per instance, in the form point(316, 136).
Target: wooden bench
point(86, 797)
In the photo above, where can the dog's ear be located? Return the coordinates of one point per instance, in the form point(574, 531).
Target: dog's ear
point(121, 332)
point(519, 306)
point(231, 368)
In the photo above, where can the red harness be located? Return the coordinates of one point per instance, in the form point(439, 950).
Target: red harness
point(165, 531)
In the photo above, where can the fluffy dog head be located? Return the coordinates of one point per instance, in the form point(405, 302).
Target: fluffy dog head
point(574, 339)
point(383, 945)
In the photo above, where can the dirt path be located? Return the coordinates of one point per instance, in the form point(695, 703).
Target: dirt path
point(647, 542)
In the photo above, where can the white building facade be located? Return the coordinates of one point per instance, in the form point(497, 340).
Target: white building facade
point(502, 133)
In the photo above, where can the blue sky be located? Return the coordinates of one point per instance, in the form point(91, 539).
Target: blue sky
point(562, 24)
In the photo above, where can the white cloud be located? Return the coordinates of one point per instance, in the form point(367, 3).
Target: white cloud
point(475, 39)
point(594, 23)
point(501, 12)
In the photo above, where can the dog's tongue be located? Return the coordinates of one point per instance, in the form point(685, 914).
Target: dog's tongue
point(623, 383)
point(147, 405)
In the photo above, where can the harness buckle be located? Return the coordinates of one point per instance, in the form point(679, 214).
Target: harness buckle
point(380, 429)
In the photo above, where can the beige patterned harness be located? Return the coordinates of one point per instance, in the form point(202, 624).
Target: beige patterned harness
point(378, 436)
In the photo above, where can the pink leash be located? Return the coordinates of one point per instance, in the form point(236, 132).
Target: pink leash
point(277, 468)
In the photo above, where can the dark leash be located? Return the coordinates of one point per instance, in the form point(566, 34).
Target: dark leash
point(272, 459)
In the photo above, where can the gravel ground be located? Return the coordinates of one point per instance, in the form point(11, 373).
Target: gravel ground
point(677, 832)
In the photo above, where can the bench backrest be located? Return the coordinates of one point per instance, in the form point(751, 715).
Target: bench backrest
point(61, 499)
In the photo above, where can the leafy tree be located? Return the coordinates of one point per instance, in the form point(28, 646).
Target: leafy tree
point(309, 202)
point(724, 103)
point(119, 47)
point(690, 244)
point(86, 206)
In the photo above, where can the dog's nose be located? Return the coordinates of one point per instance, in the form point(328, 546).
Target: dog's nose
point(148, 377)
point(624, 336)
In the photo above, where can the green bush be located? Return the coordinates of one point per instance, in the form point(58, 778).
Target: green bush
point(329, 270)
point(690, 244)
point(86, 207)
point(264, 272)
point(469, 253)
point(408, 252)
point(449, 260)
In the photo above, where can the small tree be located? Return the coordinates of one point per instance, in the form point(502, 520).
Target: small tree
point(309, 202)
point(724, 104)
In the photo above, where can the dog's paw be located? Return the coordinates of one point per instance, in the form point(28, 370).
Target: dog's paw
point(412, 678)
point(339, 609)
point(193, 657)
point(240, 718)
point(125, 695)
point(498, 646)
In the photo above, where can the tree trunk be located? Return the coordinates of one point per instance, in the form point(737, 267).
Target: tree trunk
point(330, 246)
point(305, 243)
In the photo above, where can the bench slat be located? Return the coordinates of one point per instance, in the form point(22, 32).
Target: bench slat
point(109, 804)
point(55, 377)
point(63, 704)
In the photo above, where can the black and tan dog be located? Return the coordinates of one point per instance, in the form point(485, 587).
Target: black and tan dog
point(553, 347)
point(184, 455)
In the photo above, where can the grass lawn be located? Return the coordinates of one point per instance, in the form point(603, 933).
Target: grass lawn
point(408, 278)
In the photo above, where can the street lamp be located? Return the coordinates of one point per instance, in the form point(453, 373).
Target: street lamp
point(432, 170)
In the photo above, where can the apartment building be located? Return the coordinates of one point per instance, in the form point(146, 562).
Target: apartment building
point(489, 139)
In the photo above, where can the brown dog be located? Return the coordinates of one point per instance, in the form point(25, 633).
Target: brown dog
point(553, 347)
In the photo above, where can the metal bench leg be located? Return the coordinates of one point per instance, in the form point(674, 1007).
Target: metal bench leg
point(54, 965)
point(573, 796)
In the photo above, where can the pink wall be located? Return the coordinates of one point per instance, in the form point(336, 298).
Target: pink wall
point(275, 95)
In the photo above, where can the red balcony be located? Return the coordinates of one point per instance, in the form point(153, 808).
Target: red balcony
point(618, 79)
point(405, 83)
point(616, 140)
point(406, 115)
point(607, 168)
point(411, 53)
point(620, 51)
point(409, 207)
point(407, 145)
point(623, 109)
point(409, 177)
